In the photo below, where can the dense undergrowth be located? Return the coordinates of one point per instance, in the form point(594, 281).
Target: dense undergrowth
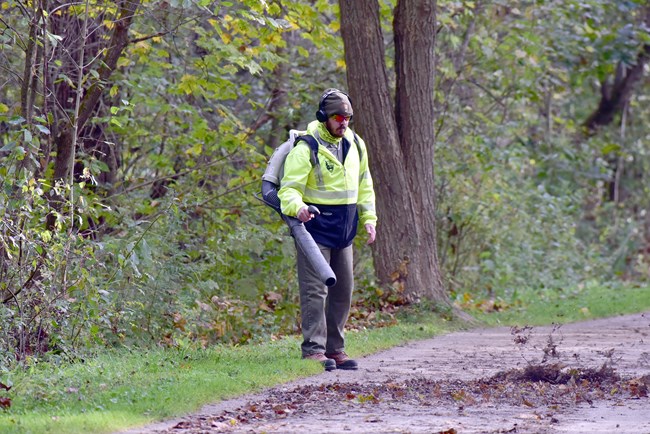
point(182, 280)
point(158, 242)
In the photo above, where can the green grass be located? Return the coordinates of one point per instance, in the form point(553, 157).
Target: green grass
point(122, 389)
point(589, 301)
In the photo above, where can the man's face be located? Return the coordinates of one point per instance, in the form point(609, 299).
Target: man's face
point(337, 124)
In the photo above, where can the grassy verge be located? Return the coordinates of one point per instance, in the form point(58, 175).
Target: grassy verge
point(588, 301)
point(121, 389)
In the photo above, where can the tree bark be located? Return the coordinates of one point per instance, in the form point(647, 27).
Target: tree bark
point(29, 71)
point(118, 42)
point(400, 138)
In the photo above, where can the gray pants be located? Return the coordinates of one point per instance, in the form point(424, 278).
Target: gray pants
point(325, 310)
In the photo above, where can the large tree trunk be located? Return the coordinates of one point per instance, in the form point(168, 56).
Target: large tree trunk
point(400, 138)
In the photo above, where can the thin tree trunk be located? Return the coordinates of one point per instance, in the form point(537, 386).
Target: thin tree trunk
point(29, 70)
point(65, 140)
point(119, 41)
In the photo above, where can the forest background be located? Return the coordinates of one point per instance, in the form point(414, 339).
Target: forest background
point(133, 136)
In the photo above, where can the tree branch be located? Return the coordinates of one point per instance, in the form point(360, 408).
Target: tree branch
point(159, 34)
point(616, 95)
point(118, 42)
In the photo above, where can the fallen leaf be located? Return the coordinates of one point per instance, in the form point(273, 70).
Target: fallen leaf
point(638, 389)
point(179, 321)
point(281, 409)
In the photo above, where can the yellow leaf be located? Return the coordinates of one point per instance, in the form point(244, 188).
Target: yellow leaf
point(3, 107)
point(46, 236)
point(273, 38)
point(188, 84)
point(195, 150)
point(142, 48)
point(226, 38)
point(293, 25)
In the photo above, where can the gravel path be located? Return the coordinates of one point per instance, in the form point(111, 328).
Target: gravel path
point(587, 377)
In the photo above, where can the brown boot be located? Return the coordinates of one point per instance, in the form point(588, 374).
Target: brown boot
point(343, 361)
point(327, 363)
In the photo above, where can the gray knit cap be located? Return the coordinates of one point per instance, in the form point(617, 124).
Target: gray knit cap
point(336, 103)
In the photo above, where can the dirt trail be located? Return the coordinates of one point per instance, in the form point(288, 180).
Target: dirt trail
point(587, 377)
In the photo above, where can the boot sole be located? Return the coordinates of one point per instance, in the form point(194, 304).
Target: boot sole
point(347, 368)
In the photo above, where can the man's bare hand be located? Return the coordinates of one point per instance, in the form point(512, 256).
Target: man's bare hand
point(304, 215)
point(371, 233)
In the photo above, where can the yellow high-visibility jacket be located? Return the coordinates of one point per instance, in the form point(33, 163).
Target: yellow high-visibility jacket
point(343, 192)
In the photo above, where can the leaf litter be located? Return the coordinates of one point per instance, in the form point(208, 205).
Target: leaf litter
point(593, 377)
point(540, 387)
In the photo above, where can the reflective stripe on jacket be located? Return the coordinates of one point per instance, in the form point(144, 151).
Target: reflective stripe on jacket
point(342, 191)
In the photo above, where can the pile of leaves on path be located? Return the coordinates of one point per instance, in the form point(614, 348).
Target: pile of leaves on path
point(543, 387)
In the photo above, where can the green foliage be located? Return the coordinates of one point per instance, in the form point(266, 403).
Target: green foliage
point(523, 195)
point(167, 245)
point(45, 299)
point(160, 242)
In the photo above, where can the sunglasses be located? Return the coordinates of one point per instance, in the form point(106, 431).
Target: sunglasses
point(341, 118)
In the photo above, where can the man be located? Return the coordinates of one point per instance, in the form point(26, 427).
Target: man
point(340, 186)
